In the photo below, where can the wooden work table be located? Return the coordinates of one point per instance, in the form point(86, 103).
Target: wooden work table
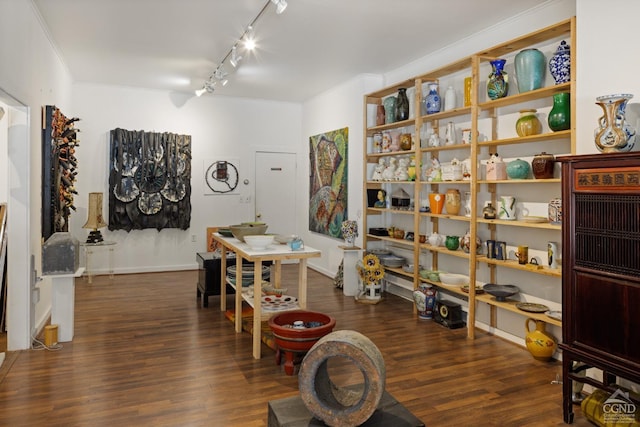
point(274, 253)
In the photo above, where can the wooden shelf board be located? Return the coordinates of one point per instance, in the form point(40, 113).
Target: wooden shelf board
point(545, 225)
point(510, 305)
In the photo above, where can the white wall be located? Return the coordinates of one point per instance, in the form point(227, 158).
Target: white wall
point(220, 128)
point(32, 73)
point(608, 63)
point(335, 109)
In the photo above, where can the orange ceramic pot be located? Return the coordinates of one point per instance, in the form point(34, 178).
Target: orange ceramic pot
point(436, 202)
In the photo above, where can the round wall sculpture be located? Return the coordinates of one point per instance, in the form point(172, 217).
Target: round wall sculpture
point(336, 406)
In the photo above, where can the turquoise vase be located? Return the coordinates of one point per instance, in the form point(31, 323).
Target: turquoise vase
point(498, 82)
point(531, 66)
point(390, 103)
point(560, 114)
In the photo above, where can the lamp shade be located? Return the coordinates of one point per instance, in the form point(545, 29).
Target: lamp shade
point(94, 218)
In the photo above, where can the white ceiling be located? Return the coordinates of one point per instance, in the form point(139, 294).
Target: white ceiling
point(314, 45)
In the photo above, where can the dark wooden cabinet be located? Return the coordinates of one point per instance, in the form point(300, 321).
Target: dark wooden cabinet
point(600, 269)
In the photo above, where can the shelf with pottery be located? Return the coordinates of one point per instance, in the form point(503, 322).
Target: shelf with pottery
point(510, 305)
point(445, 148)
point(390, 210)
point(443, 250)
point(445, 216)
point(545, 225)
point(532, 268)
point(455, 290)
point(481, 116)
point(371, 157)
point(521, 98)
point(390, 126)
point(391, 240)
point(541, 137)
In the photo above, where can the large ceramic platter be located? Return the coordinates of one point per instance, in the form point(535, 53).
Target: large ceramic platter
point(279, 303)
point(532, 307)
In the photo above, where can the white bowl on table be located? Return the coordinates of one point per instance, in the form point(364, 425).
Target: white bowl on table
point(259, 242)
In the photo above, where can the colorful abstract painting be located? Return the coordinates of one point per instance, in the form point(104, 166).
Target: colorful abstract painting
point(328, 181)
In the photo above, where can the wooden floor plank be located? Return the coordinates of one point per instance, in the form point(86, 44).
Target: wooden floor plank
point(146, 353)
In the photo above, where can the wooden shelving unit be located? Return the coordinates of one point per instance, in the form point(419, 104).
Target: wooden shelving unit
point(475, 117)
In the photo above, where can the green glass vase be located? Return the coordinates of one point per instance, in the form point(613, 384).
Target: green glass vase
point(560, 114)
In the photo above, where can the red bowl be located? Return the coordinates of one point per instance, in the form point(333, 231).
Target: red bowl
point(299, 340)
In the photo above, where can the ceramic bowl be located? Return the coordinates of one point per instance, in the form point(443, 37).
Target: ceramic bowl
point(225, 232)
point(451, 279)
point(285, 239)
point(392, 261)
point(430, 274)
point(239, 231)
point(501, 292)
point(259, 242)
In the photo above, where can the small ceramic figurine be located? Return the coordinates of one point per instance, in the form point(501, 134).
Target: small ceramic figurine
point(377, 170)
point(389, 171)
point(382, 199)
point(434, 173)
point(401, 173)
point(411, 170)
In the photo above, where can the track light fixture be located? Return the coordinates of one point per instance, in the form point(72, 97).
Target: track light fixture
point(249, 43)
point(208, 87)
point(281, 5)
point(235, 58)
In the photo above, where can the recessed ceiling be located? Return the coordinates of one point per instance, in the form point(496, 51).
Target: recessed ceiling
point(314, 45)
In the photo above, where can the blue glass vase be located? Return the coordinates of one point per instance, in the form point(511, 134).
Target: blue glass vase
point(530, 69)
point(498, 82)
point(432, 100)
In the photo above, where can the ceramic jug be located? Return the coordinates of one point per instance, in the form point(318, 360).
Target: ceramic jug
point(452, 243)
point(507, 208)
point(540, 343)
point(436, 239)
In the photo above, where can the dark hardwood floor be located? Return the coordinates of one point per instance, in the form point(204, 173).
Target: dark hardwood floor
point(146, 353)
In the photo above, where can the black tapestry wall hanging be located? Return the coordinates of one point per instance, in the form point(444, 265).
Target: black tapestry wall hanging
point(59, 142)
point(149, 180)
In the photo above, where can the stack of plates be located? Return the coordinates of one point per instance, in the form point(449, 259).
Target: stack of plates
point(247, 273)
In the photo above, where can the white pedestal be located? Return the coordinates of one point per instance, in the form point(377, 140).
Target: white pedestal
point(350, 275)
point(63, 303)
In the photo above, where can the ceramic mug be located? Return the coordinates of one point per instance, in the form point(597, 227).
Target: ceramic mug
point(501, 250)
point(552, 254)
point(491, 249)
point(523, 254)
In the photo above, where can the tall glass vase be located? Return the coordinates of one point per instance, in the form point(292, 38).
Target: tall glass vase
point(498, 82)
point(560, 114)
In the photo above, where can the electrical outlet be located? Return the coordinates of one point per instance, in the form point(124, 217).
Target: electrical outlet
point(193, 237)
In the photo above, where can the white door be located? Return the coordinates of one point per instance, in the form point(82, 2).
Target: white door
point(275, 191)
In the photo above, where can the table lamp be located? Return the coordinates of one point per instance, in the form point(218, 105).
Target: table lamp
point(95, 221)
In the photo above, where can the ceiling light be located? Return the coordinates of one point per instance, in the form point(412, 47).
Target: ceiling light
point(281, 5)
point(235, 58)
point(208, 87)
point(221, 75)
point(249, 40)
